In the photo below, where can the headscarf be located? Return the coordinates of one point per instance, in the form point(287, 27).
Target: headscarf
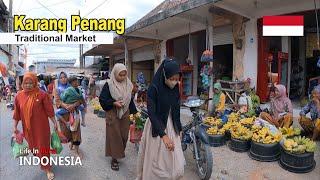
point(120, 90)
point(32, 96)
point(281, 103)
point(166, 97)
point(317, 88)
point(62, 87)
point(216, 96)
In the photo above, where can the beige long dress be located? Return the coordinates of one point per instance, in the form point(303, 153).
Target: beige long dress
point(155, 161)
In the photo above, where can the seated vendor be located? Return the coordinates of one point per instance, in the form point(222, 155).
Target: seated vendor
point(219, 99)
point(311, 126)
point(280, 109)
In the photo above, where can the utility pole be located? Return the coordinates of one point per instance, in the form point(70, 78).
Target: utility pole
point(80, 50)
point(10, 29)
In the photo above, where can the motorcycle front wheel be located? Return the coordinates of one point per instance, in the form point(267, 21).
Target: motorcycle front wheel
point(205, 162)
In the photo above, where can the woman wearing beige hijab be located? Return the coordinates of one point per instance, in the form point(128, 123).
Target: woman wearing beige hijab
point(115, 99)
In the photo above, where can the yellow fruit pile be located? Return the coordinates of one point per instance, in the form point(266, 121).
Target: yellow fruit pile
point(215, 131)
point(233, 117)
point(229, 125)
point(299, 145)
point(248, 121)
point(212, 121)
point(289, 132)
point(96, 104)
point(240, 132)
point(264, 135)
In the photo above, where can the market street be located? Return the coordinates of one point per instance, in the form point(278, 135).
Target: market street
point(227, 164)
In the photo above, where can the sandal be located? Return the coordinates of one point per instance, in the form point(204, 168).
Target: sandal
point(115, 165)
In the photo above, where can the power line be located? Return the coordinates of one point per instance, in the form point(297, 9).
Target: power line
point(50, 5)
point(96, 8)
point(47, 9)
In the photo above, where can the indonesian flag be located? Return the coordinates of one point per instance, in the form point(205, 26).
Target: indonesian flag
point(283, 26)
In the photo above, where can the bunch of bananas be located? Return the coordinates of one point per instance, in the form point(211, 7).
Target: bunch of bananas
point(240, 132)
point(289, 132)
point(247, 121)
point(229, 125)
point(215, 131)
point(134, 117)
point(212, 121)
point(265, 136)
point(233, 117)
point(299, 145)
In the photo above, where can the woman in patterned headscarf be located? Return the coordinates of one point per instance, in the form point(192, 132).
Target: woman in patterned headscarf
point(281, 108)
point(33, 108)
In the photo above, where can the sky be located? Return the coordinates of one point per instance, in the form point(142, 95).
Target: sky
point(132, 10)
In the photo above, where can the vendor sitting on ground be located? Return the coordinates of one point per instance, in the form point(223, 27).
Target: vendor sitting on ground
point(219, 99)
point(311, 126)
point(280, 109)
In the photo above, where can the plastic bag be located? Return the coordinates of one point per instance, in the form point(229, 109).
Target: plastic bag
point(207, 56)
point(20, 149)
point(135, 134)
point(76, 121)
point(62, 137)
point(55, 142)
point(71, 119)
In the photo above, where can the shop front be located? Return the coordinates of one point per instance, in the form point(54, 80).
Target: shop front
point(191, 66)
point(291, 61)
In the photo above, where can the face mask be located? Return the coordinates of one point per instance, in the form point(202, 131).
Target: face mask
point(171, 84)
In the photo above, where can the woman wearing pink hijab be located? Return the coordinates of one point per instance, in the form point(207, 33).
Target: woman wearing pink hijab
point(281, 108)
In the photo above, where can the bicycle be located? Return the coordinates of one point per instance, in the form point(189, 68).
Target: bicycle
point(197, 139)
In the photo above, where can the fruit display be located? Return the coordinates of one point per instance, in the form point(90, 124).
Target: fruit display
point(265, 136)
point(96, 104)
point(248, 121)
point(230, 125)
point(215, 131)
point(289, 132)
point(233, 117)
point(240, 132)
point(299, 145)
point(212, 121)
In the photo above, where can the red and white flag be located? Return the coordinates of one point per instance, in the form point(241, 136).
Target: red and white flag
point(283, 25)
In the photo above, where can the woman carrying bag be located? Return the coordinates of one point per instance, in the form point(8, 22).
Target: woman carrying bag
point(33, 107)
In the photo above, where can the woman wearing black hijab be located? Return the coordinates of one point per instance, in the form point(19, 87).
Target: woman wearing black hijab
point(161, 155)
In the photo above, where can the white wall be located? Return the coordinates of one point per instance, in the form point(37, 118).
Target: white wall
point(142, 54)
point(250, 63)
